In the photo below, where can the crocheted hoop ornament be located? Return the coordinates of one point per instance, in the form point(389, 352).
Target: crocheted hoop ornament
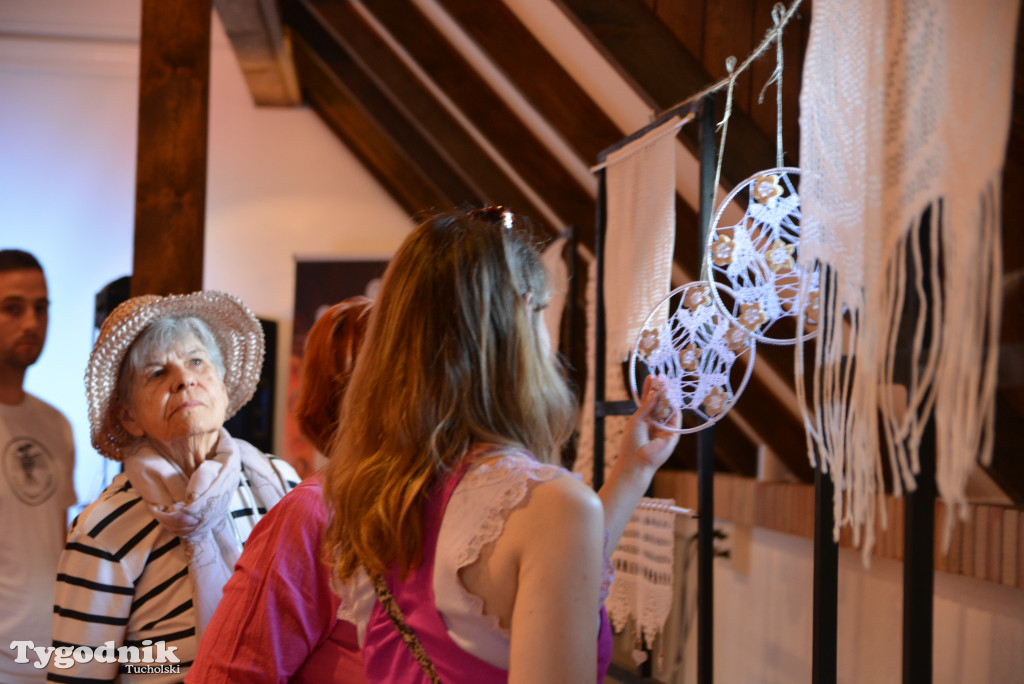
point(696, 350)
point(758, 259)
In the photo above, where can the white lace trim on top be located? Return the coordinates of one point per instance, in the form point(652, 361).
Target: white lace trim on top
point(490, 490)
point(488, 493)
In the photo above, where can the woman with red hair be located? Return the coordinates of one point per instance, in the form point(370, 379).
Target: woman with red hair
point(278, 619)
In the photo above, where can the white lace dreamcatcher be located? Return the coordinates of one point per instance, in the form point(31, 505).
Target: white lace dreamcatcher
point(758, 258)
point(696, 351)
point(754, 287)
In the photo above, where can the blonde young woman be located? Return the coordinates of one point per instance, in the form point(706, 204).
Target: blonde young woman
point(461, 551)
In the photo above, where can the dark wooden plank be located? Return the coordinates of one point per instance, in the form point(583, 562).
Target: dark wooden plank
point(522, 58)
point(760, 406)
point(649, 55)
point(170, 195)
point(481, 104)
point(363, 135)
point(1007, 454)
point(735, 452)
point(257, 38)
point(1007, 467)
point(685, 18)
point(422, 109)
point(419, 150)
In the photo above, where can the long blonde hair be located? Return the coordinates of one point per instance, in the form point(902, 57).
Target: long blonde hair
point(453, 356)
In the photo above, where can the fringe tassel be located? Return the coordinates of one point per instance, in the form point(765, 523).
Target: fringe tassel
point(967, 372)
point(929, 324)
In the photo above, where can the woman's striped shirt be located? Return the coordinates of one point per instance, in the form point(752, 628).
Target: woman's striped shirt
point(124, 579)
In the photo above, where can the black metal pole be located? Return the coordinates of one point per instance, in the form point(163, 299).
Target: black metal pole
point(599, 337)
point(919, 505)
point(826, 582)
point(705, 438)
point(918, 566)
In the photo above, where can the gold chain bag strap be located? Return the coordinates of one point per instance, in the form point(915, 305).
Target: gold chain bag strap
point(387, 600)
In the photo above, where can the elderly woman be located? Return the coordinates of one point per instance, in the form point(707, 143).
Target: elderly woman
point(145, 564)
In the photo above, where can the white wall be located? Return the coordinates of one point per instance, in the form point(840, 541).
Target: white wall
point(763, 618)
point(279, 184)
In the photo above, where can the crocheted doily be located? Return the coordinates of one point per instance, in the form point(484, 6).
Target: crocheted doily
point(757, 259)
point(696, 350)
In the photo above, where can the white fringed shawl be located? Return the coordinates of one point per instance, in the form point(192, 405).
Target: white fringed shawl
point(905, 108)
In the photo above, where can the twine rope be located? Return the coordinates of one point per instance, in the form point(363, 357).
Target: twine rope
point(773, 34)
point(780, 17)
point(776, 77)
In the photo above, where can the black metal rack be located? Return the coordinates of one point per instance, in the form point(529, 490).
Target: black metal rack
point(918, 579)
point(704, 109)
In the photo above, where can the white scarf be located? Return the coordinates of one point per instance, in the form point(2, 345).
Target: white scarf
point(905, 106)
point(197, 509)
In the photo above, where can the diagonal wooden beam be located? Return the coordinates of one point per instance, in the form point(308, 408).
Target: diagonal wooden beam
point(342, 113)
point(392, 122)
point(421, 107)
point(373, 145)
point(647, 53)
point(254, 29)
point(522, 58)
point(524, 152)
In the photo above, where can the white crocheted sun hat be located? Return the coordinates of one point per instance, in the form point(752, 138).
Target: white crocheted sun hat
point(237, 331)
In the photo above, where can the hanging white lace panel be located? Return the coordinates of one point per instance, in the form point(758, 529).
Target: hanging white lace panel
point(584, 463)
point(640, 186)
point(904, 116)
point(639, 240)
point(615, 388)
point(644, 563)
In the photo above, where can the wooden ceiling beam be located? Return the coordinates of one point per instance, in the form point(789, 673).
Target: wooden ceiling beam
point(170, 185)
point(341, 111)
point(648, 54)
point(557, 96)
point(405, 139)
point(422, 109)
point(480, 103)
point(257, 38)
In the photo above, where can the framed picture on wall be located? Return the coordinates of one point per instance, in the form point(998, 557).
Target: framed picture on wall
point(320, 282)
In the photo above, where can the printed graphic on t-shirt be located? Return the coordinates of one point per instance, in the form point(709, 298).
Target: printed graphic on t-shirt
point(29, 468)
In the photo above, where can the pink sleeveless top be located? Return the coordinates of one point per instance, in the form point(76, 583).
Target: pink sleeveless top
point(388, 659)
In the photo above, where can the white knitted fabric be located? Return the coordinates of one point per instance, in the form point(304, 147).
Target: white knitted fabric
point(584, 463)
point(644, 563)
point(640, 185)
point(615, 389)
point(905, 107)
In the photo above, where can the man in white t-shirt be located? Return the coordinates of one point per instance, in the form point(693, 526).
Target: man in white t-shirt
point(37, 457)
